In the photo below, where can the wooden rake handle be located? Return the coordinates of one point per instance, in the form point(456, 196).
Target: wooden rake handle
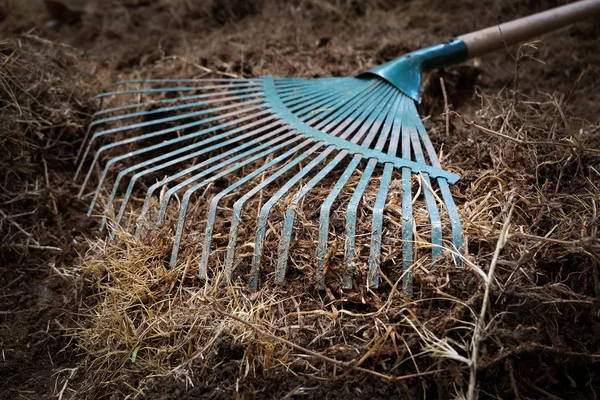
point(495, 37)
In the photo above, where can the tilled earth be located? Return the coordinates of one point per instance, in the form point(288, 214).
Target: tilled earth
point(56, 55)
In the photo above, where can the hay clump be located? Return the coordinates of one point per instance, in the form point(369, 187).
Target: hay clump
point(519, 150)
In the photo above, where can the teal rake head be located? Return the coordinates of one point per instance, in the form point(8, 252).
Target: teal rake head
point(182, 136)
point(318, 124)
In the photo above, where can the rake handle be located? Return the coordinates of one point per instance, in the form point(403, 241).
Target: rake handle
point(495, 37)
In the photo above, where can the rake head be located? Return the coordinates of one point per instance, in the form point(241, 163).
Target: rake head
point(259, 131)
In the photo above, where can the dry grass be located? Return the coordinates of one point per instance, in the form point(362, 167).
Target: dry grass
point(142, 328)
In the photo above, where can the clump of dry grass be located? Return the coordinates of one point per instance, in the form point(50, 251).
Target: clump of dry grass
point(144, 320)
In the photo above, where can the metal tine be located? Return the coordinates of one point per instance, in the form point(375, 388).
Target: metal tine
point(322, 100)
point(168, 155)
point(339, 113)
point(189, 192)
point(286, 88)
point(301, 107)
point(167, 142)
point(380, 200)
point(240, 202)
point(390, 111)
point(238, 207)
point(434, 215)
point(192, 80)
point(373, 128)
point(215, 201)
point(356, 120)
point(187, 195)
point(253, 89)
point(174, 89)
point(185, 157)
point(249, 90)
point(407, 214)
point(455, 222)
point(239, 95)
point(192, 168)
point(195, 114)
point(98, 122)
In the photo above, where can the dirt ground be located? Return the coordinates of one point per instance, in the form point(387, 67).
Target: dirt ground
point(541, 340)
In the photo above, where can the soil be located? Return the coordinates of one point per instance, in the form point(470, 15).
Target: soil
point(62, 52)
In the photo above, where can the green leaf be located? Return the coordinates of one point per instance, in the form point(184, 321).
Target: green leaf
point(134, 354)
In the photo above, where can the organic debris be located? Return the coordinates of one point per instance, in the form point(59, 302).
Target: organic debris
point(529, 138)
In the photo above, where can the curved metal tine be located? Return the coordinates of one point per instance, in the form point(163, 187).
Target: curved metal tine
point(407, 213)
point(171, 191)
point(191, 80)
point(239, 96)
point(390, 112)
point(321, 83)
point(455, 223)
point(380, 200)
point(372, 126)
point(187, 195)
point(215, 200)
point(334, 97)
point(237, 113)
point(434, 215)
point(164, 202)
point(355, 120)
point(157, 167)
point(334, 117)
point(175, 89)
point(239, 204)
point(250, 92)
point(167, 120)
point(252, 89)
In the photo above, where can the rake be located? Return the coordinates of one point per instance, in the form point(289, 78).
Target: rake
point(198, 132)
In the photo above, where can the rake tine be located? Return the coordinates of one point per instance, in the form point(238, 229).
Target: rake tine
point(171, 119)
point(359, 191)
point(238, 205)
point(155, 147)
point(244, 93)
point(358, 117)
point(187, 157)
point(198, 80)
point(155, 133)
point(372, 126)
point(455, 223)
point(214, 202)
point(290, 214)
point(171, 191)
point(174, 89)
point(336, 116)
point(345, 105)
point(407, 216)
point(253, 89)
point(266, 208)
point(434, 215)
point(186, 197)
point(384, 186)
point(147, 201)
point(242, 96)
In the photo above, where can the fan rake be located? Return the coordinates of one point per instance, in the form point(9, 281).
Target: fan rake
point(308, 132)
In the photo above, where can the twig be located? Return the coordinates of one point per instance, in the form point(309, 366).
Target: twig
point(446, 109)
point(527, 142)
point(478, 334)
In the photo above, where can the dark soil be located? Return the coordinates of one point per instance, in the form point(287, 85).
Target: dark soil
point(67, 50)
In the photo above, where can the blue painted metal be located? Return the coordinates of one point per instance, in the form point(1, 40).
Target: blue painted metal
point(299, 129)
point(405, 72)
point(343, 144)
